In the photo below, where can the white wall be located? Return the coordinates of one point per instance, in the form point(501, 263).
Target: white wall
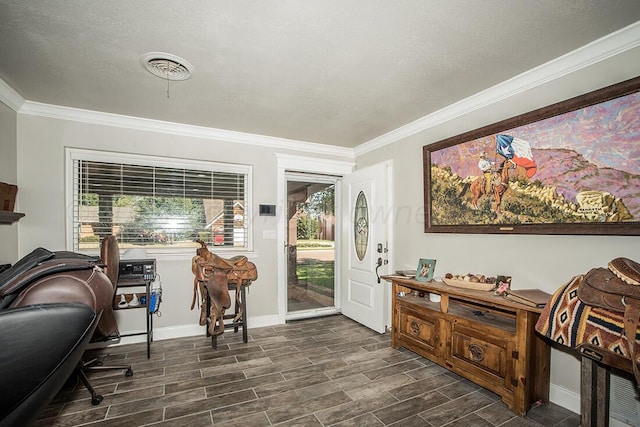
point(534, 261)
point(41, 174)
point(8, 174)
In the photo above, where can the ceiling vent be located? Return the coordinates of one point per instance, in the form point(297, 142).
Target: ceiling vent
point(166, 66)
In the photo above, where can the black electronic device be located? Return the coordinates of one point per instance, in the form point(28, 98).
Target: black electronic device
point(138, 269)
point(267, 210)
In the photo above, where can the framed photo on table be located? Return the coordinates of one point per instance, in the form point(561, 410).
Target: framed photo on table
point(425, 270)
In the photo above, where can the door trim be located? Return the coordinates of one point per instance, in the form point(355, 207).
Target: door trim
point(291, 163)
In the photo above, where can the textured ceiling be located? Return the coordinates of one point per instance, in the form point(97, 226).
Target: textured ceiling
point(338, 72)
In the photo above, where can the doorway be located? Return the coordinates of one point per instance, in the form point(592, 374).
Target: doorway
point(310, 245)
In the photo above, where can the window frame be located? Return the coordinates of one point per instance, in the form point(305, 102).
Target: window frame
point(73, 154)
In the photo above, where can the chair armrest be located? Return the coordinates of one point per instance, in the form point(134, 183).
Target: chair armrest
point(41, 346)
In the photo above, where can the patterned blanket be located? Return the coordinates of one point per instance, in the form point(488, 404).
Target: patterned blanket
point(568, 321)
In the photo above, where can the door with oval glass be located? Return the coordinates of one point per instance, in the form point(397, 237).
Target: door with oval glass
point(367, 226)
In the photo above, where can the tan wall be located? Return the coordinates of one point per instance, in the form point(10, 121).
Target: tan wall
point(8, 174)
point(41, 173)
point(534, 261)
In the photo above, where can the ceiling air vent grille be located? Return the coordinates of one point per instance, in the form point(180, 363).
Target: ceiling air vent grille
point(166, 66)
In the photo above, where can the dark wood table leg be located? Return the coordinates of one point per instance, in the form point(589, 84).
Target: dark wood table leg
point(594, 394)
point(244, 315)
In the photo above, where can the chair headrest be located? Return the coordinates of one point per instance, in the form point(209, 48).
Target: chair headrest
point(110, 254)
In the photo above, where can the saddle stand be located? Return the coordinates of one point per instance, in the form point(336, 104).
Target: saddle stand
point(214, 276)
point(238, 317)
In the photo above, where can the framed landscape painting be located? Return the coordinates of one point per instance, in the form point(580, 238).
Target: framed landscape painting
point(569, 168)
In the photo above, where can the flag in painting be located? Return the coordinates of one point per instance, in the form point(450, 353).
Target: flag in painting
point(518, 150)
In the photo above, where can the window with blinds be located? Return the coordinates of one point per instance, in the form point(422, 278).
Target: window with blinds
point(156, 202)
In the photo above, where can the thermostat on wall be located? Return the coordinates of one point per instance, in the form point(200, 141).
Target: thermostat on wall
point(267, 210)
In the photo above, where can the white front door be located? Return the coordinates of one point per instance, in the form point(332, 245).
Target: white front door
point(367, 222)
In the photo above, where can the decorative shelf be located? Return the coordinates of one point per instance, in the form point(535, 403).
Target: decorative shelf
point(7, 217)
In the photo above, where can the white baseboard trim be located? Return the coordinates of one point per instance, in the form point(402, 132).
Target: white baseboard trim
point(566, 398)
point(262, 321)
point(617, 423)
point(571, 400)
point(180, 331)
point(190, 330)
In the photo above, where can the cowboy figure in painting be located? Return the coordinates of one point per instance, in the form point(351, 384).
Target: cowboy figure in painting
point(485, 166)
point(498, 187)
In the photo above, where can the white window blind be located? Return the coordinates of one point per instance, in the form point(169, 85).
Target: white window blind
point(158, 202)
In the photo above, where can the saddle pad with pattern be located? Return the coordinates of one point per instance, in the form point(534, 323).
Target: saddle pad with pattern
point(568, 321)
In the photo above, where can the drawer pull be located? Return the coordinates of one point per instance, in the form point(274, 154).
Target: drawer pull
point(476, 352)
point(415, 328)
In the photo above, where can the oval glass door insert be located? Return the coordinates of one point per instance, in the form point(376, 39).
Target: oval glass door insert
point(361, 225)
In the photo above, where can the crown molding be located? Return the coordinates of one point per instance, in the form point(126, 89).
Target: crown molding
point(314, 165)
point(599, 50)
point(10, 97)
point(149, 125)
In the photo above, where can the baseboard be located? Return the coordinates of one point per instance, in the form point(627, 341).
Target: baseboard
point(566, 398)
point(571, 400)
point(171, 332)
point(190, 330)
point(262, 321)
point(180, 331)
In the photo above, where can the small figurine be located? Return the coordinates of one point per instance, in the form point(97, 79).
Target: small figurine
point(503, 285)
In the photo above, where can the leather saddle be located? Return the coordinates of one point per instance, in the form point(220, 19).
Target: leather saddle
point(617, 289)
point(212, 276)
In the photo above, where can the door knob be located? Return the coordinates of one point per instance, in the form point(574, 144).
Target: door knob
point(378, 265)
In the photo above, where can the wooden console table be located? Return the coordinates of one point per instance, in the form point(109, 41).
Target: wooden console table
point(476, 334)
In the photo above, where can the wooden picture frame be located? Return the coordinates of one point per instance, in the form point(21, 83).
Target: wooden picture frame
point(568, 168)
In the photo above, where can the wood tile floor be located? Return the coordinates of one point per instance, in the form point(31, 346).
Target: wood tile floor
point(326, 371)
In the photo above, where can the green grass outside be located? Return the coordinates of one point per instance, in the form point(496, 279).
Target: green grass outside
point(318, 273)
point(315, 244)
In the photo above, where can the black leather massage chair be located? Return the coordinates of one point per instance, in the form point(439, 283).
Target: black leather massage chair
point(50, 307)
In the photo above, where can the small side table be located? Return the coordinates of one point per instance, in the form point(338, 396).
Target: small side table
point(139, 283)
